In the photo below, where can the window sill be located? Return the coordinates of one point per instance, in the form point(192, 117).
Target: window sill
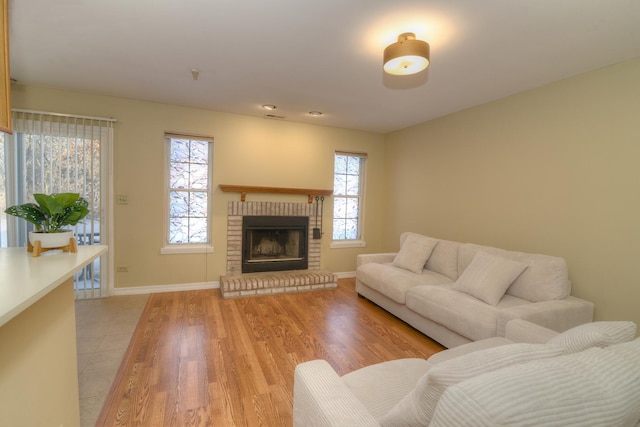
point(186, 249)
point(337, 244)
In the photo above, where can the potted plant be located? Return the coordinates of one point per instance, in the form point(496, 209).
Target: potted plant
point(50, 214)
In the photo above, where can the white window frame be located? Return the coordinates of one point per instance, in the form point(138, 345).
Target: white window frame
point(359, 242)
point(187, 248)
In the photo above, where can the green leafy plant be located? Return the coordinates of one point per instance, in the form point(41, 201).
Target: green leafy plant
point(52, 211)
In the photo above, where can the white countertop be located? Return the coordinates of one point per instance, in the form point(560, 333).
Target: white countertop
point(25, 279)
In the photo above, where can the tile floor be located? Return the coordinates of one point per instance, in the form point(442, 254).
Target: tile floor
point(103, 329)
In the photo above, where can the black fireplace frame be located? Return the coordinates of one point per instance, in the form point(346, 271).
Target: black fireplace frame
point(252, 223)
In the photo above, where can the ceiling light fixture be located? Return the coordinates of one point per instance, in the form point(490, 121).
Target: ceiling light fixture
point(315, 113)
point(269, 107)
point(406, 56)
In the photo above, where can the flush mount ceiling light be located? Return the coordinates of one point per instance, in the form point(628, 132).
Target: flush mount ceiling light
point(269, 107)
point(406, 56)
point(315, 113)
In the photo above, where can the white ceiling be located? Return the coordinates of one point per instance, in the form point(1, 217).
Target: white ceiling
point(322, 55)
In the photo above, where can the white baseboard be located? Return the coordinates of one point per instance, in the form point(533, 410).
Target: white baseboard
point(346, 274)
point(154, 289)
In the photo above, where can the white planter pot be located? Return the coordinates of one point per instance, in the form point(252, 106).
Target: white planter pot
point(51, 240)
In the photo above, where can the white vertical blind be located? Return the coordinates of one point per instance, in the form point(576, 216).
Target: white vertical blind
point(60, 153)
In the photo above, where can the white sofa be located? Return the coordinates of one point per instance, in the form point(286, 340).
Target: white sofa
point(586, 376)
point(429, 285)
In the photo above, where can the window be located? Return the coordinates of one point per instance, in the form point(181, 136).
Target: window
point(188, 193)
point(348, 185)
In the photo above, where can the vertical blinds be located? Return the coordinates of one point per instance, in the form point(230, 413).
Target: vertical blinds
point(62, 153)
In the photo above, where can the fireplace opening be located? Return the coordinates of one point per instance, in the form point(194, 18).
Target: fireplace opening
point(274, 243)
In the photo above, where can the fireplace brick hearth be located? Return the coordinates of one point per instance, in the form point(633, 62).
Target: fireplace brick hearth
point(276, 282)
point(237, 284)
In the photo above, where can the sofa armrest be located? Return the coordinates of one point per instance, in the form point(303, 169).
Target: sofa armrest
point(377, 258)
point(520, 330)
point(557, 315)
point(321, 399)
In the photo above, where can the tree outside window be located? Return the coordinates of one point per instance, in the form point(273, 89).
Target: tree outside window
point(189, 191)
point(347, 195)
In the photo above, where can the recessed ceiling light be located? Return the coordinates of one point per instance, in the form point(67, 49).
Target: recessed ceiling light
point(269, 107)
point(315, 113)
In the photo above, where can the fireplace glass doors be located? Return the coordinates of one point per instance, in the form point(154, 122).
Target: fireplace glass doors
point(274, 243)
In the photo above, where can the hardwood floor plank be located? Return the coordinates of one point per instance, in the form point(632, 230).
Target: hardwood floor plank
point(198, 360)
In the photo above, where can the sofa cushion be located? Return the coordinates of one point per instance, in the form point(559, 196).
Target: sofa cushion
point(444, 259)
point(546, 277)
point(379, 387)
point(488, 277)
point(394, 282)
point(467, 348)
point(417, 408)
point(414, 252)
point(596, 387)
point(595, 334)
point(458, 311)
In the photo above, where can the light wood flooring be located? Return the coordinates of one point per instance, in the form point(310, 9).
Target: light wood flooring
point(198, 360)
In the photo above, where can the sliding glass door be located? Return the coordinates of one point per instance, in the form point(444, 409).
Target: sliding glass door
point(51, 153)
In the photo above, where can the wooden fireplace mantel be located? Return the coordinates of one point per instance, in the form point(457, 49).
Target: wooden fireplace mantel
point(244, 189)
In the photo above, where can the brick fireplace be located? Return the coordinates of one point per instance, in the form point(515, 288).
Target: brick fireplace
point(236, 284)
point(274, 243)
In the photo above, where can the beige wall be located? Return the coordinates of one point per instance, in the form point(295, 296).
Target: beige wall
point(247, 150)
point(554, 170)
point(38, 364)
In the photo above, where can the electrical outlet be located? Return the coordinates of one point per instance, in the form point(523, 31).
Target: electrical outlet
point(122, 199)
point(122, 269)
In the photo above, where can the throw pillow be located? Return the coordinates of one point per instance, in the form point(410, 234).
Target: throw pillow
point(629, 350)
point(595, 334)
point(417, 408)
point(595, 387)
point(414, 253)
point(444, 259)
point(488, 277)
